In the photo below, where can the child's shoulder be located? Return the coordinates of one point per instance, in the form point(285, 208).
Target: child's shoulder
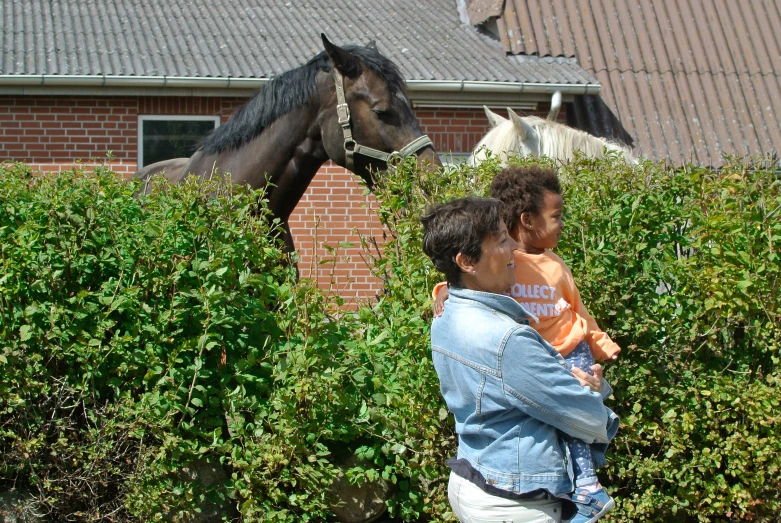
point(555, 257)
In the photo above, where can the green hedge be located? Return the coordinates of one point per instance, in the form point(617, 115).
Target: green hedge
point(142, 335)
point(680, 266)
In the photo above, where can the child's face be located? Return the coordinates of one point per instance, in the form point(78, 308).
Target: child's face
point(546, 226)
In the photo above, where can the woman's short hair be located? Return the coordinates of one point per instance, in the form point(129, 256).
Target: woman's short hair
point(522, 189)
point(459, 226)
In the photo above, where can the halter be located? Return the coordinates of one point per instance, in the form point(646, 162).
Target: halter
point(351, 147)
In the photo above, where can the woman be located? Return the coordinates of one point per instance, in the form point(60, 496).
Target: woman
point(508, 390)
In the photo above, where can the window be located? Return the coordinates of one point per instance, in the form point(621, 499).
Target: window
point(454, 158)
point(165, 137)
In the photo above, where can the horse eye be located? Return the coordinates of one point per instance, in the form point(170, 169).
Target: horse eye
point(380, 112)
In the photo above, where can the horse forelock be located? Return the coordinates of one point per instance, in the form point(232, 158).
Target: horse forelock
point(288, 91)
point(380, 65)
point(504, 140)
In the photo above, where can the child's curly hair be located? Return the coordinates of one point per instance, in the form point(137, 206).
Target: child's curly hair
point(522, 189)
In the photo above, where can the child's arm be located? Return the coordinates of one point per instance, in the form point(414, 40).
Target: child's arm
point(440, 294)
point(602, 347)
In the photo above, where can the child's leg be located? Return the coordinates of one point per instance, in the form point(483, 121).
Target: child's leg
point(591, 500)
point(583, 464)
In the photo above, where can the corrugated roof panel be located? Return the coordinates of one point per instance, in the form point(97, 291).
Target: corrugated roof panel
point(669, 110)
point(618, 34)
point(680, 37)
point(564, 29)
point(710, 114)
point(550, 23)
point(762, 125)
point(699, 34)
point(513, 30)
point(689, 127)
point(771, 107)
point(481, 10)
point(594, 38)
point(660, 56)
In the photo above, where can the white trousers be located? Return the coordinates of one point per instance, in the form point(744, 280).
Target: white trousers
point(472, 505)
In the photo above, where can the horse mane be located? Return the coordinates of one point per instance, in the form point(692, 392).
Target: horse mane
point(556, 141)
point(288, 91)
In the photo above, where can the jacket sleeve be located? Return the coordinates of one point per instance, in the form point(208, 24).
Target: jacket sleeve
point(438, 287)
point(536, 382)
point(602, 347)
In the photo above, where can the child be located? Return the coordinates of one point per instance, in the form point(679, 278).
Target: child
point(532, 211)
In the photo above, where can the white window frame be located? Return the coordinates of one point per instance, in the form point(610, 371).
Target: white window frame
point(453, 157)
point(178, 117)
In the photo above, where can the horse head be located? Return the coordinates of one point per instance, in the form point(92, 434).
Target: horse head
point(367, 121)
point(536, 136)
point(347, 104)
point(507, 136)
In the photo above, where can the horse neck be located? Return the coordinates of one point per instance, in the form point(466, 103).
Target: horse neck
point(296, 151)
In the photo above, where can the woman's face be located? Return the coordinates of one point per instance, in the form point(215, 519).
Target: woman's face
point(495, 272)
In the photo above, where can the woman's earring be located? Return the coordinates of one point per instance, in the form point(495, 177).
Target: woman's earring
point(474, 272)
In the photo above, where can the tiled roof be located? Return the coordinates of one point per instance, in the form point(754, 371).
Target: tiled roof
point(428, 39)
point(690, 80)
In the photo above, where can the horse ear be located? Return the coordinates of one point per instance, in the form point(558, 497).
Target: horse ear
point(555, 106)
point(493, 118)
point(523, 128)
point(346, 63)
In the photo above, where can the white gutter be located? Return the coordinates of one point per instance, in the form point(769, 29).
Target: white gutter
point(58, 80)
point(465, 86)
point(441, 86)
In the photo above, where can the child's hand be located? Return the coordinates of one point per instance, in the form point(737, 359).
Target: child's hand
point(439, 302)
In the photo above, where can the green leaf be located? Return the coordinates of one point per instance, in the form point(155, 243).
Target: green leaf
point(378, 339)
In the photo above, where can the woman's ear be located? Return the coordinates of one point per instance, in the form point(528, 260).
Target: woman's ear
point(465, 263)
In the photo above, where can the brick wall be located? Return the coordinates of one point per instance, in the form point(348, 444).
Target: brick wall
point(53, 133)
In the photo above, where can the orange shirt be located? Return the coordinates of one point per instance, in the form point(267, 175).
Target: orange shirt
point(547, 290)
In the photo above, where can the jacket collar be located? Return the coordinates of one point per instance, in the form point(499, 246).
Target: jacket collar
point(504, 304)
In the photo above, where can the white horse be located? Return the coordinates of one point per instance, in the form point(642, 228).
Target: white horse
point(531, 135)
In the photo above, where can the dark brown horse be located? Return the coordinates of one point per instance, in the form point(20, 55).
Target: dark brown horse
point(347, 104)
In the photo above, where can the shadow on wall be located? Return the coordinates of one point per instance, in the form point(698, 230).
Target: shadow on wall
point(590, 113)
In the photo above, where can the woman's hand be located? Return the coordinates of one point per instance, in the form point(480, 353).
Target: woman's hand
point(439, 302)
point(587, 380)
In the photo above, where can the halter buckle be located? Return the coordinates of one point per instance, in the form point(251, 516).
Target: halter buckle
point(394, 159)
point(343, 112)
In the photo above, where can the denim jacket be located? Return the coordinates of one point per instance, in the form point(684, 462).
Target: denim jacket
point(509, 392)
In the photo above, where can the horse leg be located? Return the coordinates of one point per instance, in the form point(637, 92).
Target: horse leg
point(290, 247)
